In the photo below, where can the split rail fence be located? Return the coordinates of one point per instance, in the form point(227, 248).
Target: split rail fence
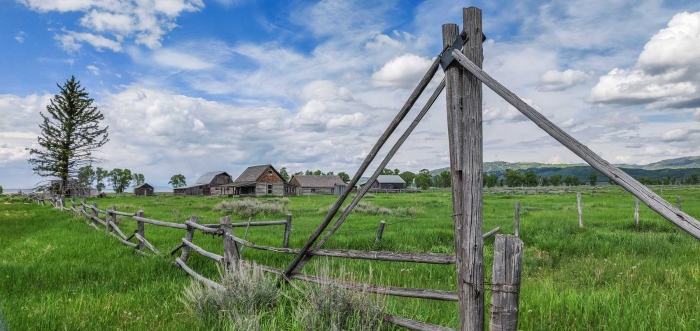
point(461, 59)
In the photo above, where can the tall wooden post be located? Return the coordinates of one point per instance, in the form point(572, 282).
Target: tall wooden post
point(464, 106)
point(636, 212)
point(94, 212)
point(141, 230)
point(287, 231)
point(112, 218)
point(380, 232)
point(231, 253)
point(63, 201)
point(505, 287)
point(517, 218)
point(580, 210)
point(678, 202)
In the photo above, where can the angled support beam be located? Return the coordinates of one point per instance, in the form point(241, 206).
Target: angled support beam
point(643, 193)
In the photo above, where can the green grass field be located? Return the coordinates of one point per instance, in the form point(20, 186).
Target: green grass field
point(58, 273)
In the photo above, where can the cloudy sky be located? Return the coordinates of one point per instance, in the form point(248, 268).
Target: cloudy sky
point(189, 86)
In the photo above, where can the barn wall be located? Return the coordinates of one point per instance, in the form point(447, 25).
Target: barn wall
point(277, 189)
point(269, 178)
point(317, 190)
point(221, 179)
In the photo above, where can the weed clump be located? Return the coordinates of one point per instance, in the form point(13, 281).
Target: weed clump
point(247, 294)
point(252, 207)
point(367, 208)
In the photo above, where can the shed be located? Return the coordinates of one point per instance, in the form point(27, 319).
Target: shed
point(317, 184)
point(260, 180)
point(143, 189)
point(388, 182)
point(210, 183)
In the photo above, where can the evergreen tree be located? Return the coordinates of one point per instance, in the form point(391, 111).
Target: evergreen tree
point(69, 134)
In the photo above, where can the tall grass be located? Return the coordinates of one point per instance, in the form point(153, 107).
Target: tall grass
point(252, 207)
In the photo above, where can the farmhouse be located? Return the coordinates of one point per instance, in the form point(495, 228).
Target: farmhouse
point(260, 180)
point(310, 184)
point(211, 183)
point(387, 182)
point(143, 190)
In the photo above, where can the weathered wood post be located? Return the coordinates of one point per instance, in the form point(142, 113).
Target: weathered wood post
point(580, 210)
point(111, 217)
point(287, 231)
point(83, 205)
point(63, 201)
point(231, 253)
point(380, 232)
point(94, 211)
point(72, 202)
point(141, 230)
point(505, 287)
point(464, 123)
point(678, 202)
point(189, 237)
point(517, 218)
point(636, 212)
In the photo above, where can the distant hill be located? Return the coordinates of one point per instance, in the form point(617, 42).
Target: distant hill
point(677, 168)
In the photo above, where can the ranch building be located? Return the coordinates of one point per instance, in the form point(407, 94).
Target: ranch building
point(143, 190)
point(387, 182)
point(260, 180)
point(312, 184)
point(211, 183)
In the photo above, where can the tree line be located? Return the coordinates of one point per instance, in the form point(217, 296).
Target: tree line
point(119, 179)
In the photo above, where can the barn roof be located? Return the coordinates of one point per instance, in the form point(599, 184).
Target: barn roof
point(390, 179)
point(253, 173)
point(143, 185)
point(208, 177)
point(319, 180)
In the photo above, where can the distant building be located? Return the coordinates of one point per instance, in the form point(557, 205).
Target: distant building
point(143, 190)
point(387, 182)
point(211, 183)
point(313, 184)
point(260, 180)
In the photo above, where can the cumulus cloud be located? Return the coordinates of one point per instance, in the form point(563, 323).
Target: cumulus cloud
point(403, 71)
point(110, 22)
point(667, 73)
point(554, 80)
point(572, 122)
point(679, 135)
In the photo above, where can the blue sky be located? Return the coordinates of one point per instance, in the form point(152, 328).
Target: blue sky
point(189, 86)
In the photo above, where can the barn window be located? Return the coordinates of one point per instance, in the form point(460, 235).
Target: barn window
point(269, 172)
point(313, 190)
point(269, 189)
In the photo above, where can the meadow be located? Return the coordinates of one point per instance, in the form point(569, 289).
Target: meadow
point(59, 273)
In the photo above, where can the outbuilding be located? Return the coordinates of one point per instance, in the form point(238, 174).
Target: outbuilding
point(260, 180)
point(315, 184)
point(387, 182)
point(210, 183)
point(143, 189)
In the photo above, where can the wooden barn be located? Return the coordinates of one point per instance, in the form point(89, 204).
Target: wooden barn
point(143, 190)
point(260, 180)
point(211, 183)
point(388, 182)
point(312, 184)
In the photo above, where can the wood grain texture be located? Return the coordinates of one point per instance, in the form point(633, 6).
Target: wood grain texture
point(146, 243)
point(189, 245)
point(517, 219)
point(505, 283)
point(142, 219)
point(365, 164)
point(684, 221)
point(204, 229)
point(287, 231)
point(636, 212)
point(117, 230)
point(189, 236)
point(208, 282)
point(141, 229)
point(580, 210)
point(380, 232)
point(231, 252)
point(491, 233)
point(413, 324)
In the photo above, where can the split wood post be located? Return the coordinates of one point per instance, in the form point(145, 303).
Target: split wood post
point(83, 204)
point(287, 231)
point(380, 232)
point(94, 211)
point(112, 218)
point(580, 210)
point(72, 202)
point(141, 230)
point(636, 212)
point(231, 253)
point(464, 109)
point(678, 202)
point(517, 218)
point(189, 236)
point(505, 283)
point(63, 201)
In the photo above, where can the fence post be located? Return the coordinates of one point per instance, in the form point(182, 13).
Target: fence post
point(464, 122)
point(636, 212)
point(580, 210)
point(380, 232)
point(141, 230)
point(94, 211)
point(82, 205)
point(505, 287)
point(678, 202)
point(189, 236)
point(517, 218)
point(231, 253)
point(112, 218)
point(287, 231)
point(63, 201)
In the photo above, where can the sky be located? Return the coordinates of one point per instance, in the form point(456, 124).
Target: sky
point(190, 86)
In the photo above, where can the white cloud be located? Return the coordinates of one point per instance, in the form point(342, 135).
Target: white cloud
point(572, 122)
point(109, 22)
point(667, 73)
point(554, 80)
point(697, 114)
point(20, 37)
point(94, 70)
point(403, 71)
point(180, 60)
point(679, 135)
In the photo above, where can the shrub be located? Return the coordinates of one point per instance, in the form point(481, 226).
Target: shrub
point(368, 208)
point(331, 308)
point(247, 293)
point(252, 207)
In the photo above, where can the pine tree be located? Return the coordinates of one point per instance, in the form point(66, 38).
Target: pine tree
point(69, 134)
